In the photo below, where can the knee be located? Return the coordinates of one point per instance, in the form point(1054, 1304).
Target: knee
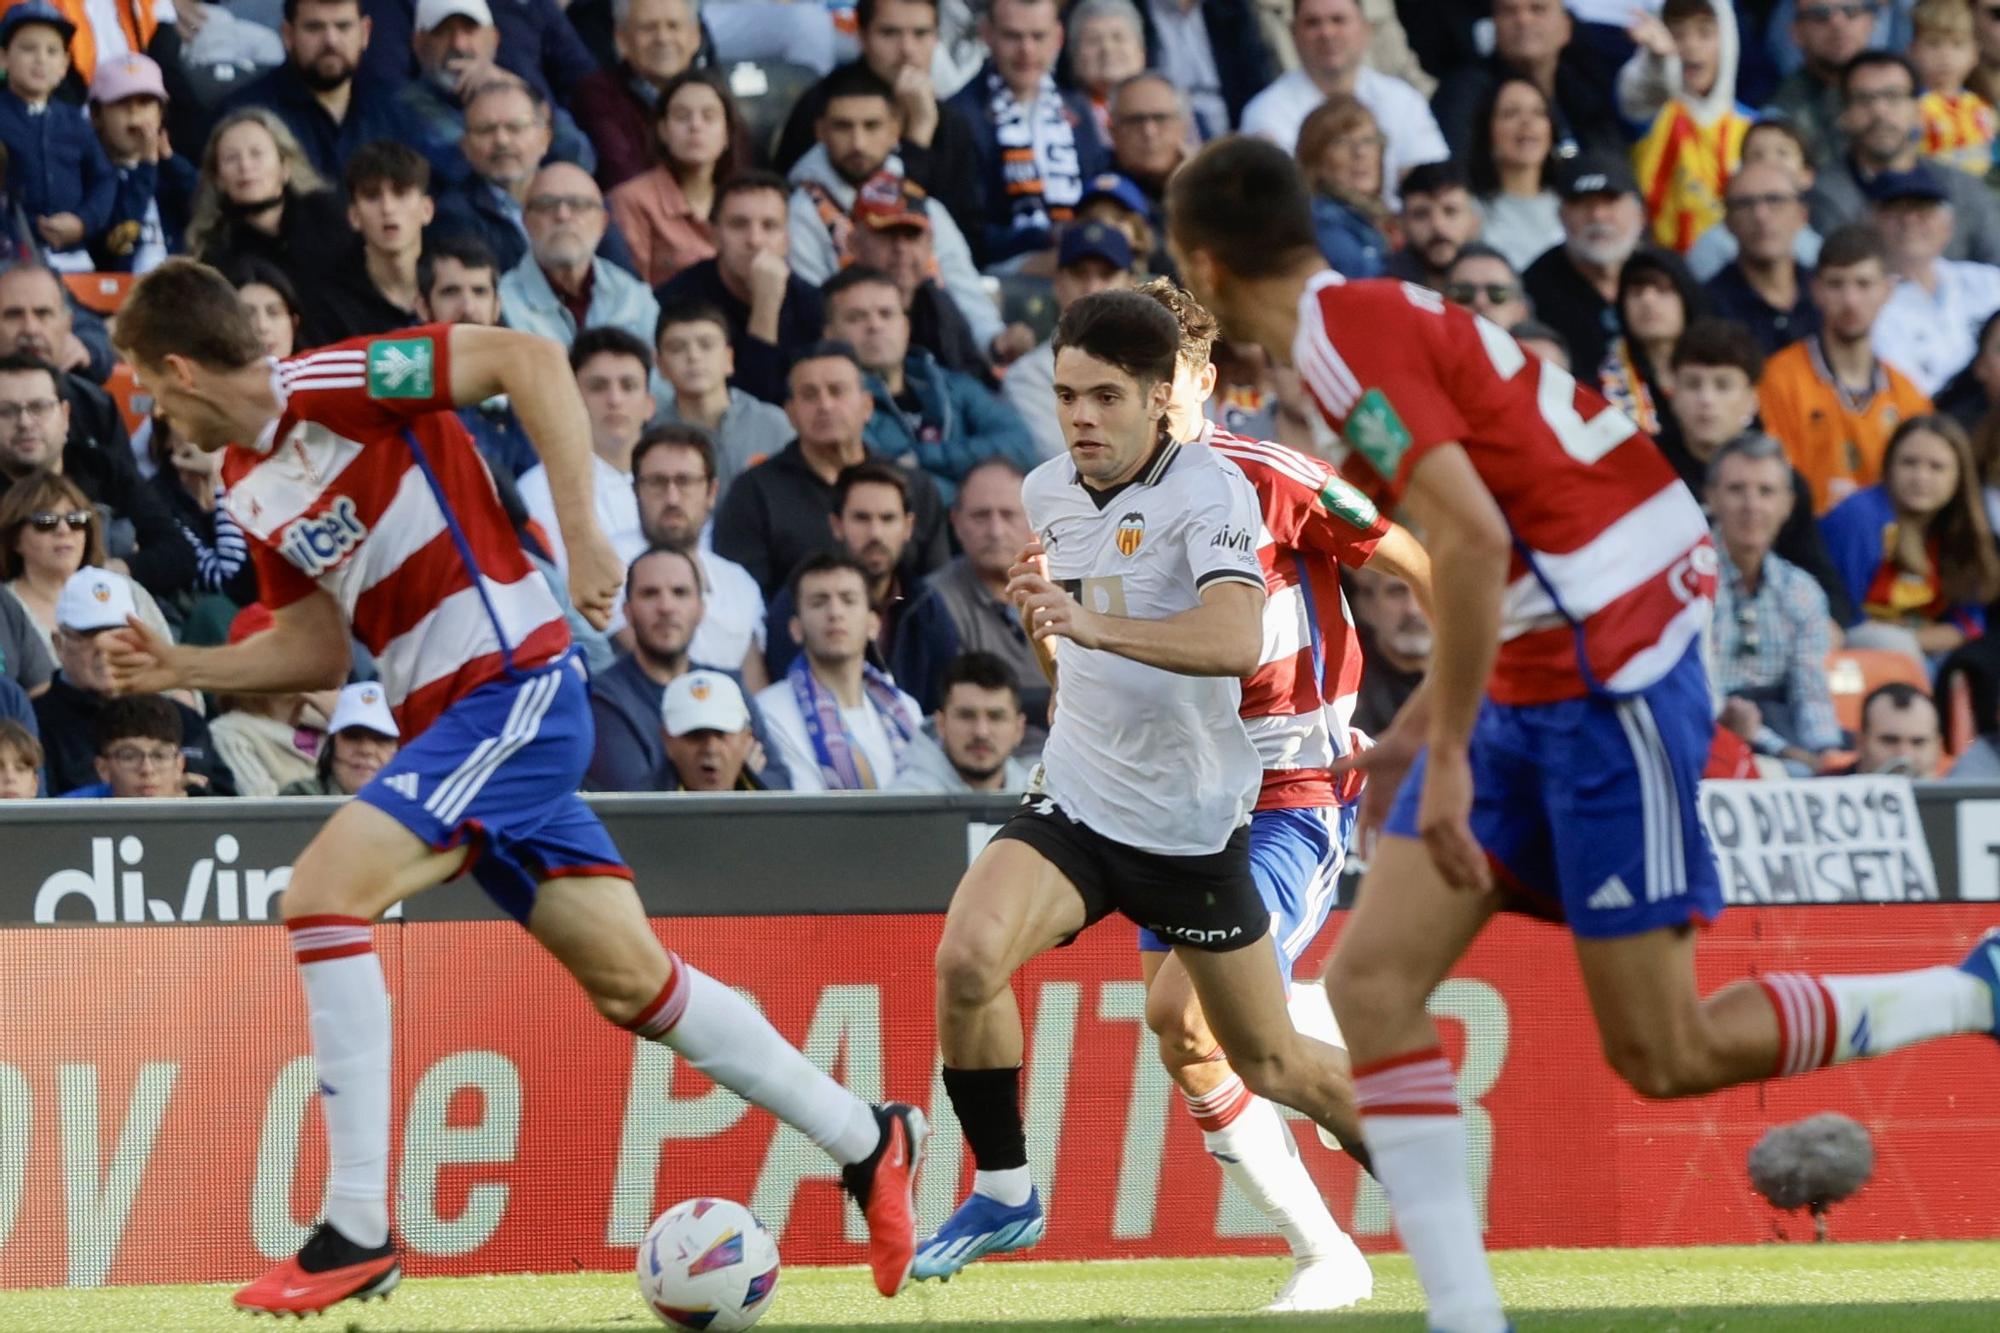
point(622, 993)
point(310, 894)
point(1365, 994)
point(1184, 1038)
point(1273, 1075)
point(970, 972)
point(1657, 1070)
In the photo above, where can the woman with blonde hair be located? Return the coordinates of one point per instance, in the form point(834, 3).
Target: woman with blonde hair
point(1340, 151)
point(48, 531)
point(259, 198)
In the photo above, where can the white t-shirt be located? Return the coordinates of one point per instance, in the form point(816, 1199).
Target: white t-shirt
point(1929, 337)
point(1150, 758)
point(732, 612)
point(1400, 110)
point(617, 510)
point(786, 727)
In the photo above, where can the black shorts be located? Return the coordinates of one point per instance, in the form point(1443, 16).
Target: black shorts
point(1206, 902)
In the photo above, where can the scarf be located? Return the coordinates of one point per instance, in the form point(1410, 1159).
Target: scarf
point(840, 760)
point(1038, 160)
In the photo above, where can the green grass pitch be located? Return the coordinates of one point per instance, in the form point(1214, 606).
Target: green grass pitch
point(1935, 1288)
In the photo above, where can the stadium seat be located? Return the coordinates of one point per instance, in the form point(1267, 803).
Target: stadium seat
point(1030, 301)
point(765, 92)
point(133, 403)
point(1853, 673)
point(99, 292)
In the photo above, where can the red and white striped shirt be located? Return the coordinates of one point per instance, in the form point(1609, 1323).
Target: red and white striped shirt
point(1298, 706)
point(368, 487)
point(1613, 572)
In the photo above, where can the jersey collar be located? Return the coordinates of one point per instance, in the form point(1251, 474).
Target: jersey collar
point(1149, 474)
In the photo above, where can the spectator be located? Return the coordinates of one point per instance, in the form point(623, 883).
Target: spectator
point(20, 760)
point(1533, 38)
point(49, 531)
point(925, 417)
point(155, 191)
point(268, 740)
point(36, 321)
point(34, 421)
point(455, 42)
point(663, 601)
point(656, 41)
point(963, 608)
point(1657, 297)
point(1976, 668)
point(1512, 172)
point(611, 368)
point(1916, 552)
point(1575, 284)
point(1215, 50)
point(871, 521)
point(1150, 129)
point(1396, 643)
point(673, 476)
point(458, 282)
point(56, 170)
point(696, 362)
point(189, 480)
point(899, 43)
point(1036, 145)
point(507, 136)
point(1829, 34)
point(1440, 218)
point(93, 601)
point(139, 751)
point(1828, 397)
point(706, 735)
point(1340, 152)
point(1711, 400)
point(1107, 45)
point(663, 212)
point(563, 285)
point(1959, 125)
point(372, 287)
point(838, 722)
point(1332, 39)
point(1881, 119)
point(1113, 200)
point(979, 724)
point(1768, 143)
point(1543, 341)
point(777, 513)
point(1900, 733)
point(1484, 281)
point(772, 312)
point(892, 233)
point(1682, 85)
point(273, 304)
point(1093, 258)
point(360, 738)
point(260, 199)
point(1929, 325)
point(1975, 390)
point(331, 104)
point(1986, 34)
point(1771, 632)
point(1765, 287)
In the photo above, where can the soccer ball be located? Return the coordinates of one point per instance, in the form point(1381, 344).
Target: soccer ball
point(708, 1264)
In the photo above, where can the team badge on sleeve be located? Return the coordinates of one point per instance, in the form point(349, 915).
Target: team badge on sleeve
point(401, 368)
point(1377, 433)
point(1131, 531)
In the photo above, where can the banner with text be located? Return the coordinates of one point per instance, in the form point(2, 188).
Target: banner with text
point(1819, 840)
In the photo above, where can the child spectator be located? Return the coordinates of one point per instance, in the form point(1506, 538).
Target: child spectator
point(138, 750)
point(55, 167)
point(20, 762)
point(1958, 124)
point(1683, 80)
point(155, 191)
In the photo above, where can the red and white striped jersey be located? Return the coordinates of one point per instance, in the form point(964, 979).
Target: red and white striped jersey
point(366, 486)
point(1298, 706)
point(1613, 572)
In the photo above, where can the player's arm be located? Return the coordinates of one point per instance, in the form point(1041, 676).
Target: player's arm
point(1400, 555)
point(306, 649)
point(1224, 636)
point(534, 373)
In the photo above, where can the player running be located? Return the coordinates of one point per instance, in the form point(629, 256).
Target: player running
point(1146, 565)
point(1299, 709)
point(1573, 576)
point(369, 511)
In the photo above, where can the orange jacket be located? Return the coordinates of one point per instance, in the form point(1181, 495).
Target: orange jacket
point(134, 16)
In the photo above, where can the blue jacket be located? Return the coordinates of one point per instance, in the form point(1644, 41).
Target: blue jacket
point(170, 184)
point(997, 235)
point(536, 42)
point(1351, 243)
point(475, 207)
point(528, 303)
point(372, 113)
point(963, 424)
point(55, 163)
point(434, 123)
point(1852, 530)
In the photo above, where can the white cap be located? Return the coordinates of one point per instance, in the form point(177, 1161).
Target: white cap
point(703, 701)
point(94, 599)
point(430, 13)
point(365, 706)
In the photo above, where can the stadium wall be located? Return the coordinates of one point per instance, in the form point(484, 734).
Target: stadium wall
point(156, 1118)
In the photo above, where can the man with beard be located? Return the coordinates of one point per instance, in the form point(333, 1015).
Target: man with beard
point(979, 725)
point(872, 522)
point(1395, 645)
point(321, 93)
point(1574, 285)
point(673, 476)
point(664, 607)
point(1440, 218)
point(562, 285)
point(1828, 36)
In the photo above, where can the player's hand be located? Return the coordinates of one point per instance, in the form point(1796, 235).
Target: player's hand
point(141, 660)
point(1051, 613)
point(1383, 763)
point(1033, 559)
point(1444, 822)
point(595, 577)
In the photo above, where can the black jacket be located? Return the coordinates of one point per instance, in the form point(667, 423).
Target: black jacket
point(760, 367)
point(67, 717)
point(1584, 112)
point(312, 232)
point(345, 303)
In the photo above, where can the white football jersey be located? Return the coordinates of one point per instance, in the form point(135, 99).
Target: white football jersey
point(1150, 758)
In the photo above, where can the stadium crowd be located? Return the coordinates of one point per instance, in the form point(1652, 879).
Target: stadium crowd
point(806, 255)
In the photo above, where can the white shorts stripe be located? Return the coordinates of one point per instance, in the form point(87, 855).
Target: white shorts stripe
point(459, 790)
point(1674, 829)
point(1325, 880)
point(1654, 862)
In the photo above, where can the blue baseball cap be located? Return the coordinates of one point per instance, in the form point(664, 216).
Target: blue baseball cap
point(1920, 184)
point(1094, 240)
point(1113, 186)
point(34, 11)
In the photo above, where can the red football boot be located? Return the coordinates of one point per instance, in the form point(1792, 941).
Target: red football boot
point(329, 1269)
point(885, 1187)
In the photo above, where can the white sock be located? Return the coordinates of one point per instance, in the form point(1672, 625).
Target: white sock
point(1410, 1120)
point(1010, 1187)
point(1256, 1151)
point(348, 1014)
point(1830, 1020)
point(718, 1032)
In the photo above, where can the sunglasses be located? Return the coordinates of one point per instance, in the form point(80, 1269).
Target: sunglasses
point(76, 520)
point(1497, 293)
